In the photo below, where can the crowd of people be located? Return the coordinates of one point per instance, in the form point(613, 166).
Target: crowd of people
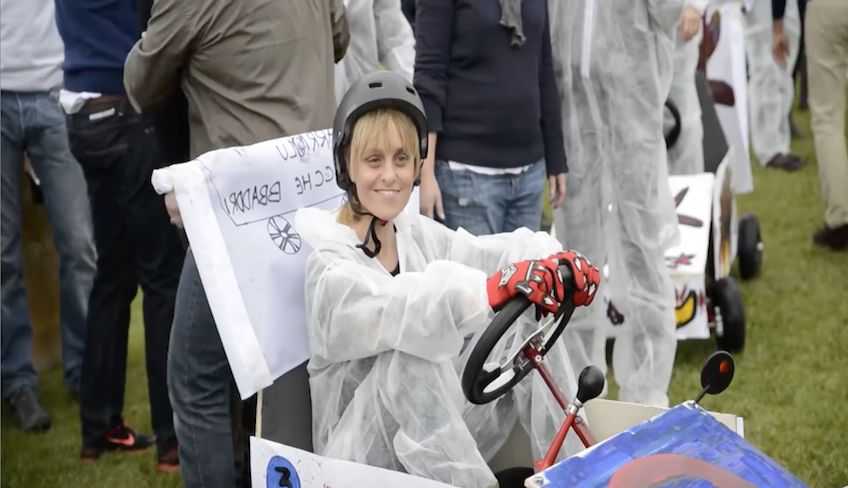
point(482, 105)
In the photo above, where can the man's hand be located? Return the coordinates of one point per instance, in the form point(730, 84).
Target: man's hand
point(430, 197)
point(690, 22)
point(173, 209)
point(779, 44)
point(556, 184)
point(430, 201)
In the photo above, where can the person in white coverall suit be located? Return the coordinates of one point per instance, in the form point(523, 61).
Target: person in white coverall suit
point(686, 156)
point(380, 35)
point(771, 88)
point(613, 67)
point(392, 297)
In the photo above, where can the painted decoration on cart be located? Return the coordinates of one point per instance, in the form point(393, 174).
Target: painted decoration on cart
point(726, 68)
point(725, 222)
point(274, 465)
point(238, 206)
point(687, 262)
point(683, 446)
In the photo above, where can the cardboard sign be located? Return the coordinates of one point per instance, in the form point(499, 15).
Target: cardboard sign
point(687, 262)
point(727, 65)
point(274, 465)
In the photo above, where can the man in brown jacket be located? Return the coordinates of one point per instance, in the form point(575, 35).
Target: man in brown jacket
point(251, 70)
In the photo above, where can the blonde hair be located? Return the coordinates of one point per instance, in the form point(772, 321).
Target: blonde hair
point(370, 131)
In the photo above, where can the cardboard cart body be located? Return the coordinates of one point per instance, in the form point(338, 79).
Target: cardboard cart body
point(711, 236)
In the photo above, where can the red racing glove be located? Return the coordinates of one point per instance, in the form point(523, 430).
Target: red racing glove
point(538, 280)
point(586, 277)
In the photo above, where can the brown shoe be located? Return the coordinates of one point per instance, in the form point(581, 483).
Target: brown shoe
point(834, 238)
point(786, 162)
point(169, 460)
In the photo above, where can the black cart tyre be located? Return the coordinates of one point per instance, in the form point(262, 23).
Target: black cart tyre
point(727, 298)
point(750, 248)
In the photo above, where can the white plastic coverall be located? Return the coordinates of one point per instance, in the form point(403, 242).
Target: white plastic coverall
point(379, 35)
point(770, 88)
point(686, 157)
point(613, 65)
point(385, 351)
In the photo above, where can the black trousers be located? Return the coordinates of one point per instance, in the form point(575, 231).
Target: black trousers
point(136, 245)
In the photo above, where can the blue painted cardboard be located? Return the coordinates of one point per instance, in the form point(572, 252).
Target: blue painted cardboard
point(682, 447)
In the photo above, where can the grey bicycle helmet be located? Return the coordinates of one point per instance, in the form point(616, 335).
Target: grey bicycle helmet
point(381, 89)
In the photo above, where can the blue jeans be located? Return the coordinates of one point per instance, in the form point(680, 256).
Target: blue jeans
point(34, 123)
point(203, 392)
point(491, 204)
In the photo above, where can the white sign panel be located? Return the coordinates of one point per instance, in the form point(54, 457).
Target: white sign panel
point(274, 465)
point(727, 65)
point(238, 205)
point(687, 262)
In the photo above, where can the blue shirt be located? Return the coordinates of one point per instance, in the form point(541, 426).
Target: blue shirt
point(98, 35)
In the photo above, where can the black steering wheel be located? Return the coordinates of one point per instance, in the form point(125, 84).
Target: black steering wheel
point(482, 381)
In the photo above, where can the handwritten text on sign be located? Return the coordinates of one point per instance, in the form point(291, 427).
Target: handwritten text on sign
point(275, 177)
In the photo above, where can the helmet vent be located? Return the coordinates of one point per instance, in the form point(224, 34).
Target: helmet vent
point(410, 90)
point(376, 84)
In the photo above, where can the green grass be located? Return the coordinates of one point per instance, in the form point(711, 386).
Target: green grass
point(791, 381)
point(52, 458)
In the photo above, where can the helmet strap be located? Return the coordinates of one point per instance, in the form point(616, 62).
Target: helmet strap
point(371, 235)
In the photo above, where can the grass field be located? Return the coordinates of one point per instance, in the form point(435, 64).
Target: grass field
point(791, 382)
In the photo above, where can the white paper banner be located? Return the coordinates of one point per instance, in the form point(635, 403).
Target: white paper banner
point(275, 465)
point(238, 206)
point(727, 64)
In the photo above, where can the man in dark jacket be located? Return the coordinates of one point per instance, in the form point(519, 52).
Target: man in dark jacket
point(251, 70)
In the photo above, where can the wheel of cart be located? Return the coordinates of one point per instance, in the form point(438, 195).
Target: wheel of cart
point(727, 314)
point(749, 252)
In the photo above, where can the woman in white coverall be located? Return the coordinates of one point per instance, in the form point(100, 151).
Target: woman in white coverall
point(391, 298)
point(613, 67)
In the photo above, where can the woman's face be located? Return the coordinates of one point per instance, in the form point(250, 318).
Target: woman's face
point(384, 175)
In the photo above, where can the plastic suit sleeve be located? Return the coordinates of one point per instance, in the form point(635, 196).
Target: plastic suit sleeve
point(433, 32)
point(665, 15)
point(153, 65)
point(395, 42)
point(362, 311)
point(491, 252)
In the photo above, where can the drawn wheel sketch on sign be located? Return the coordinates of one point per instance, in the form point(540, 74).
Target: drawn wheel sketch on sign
point(284, 235)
